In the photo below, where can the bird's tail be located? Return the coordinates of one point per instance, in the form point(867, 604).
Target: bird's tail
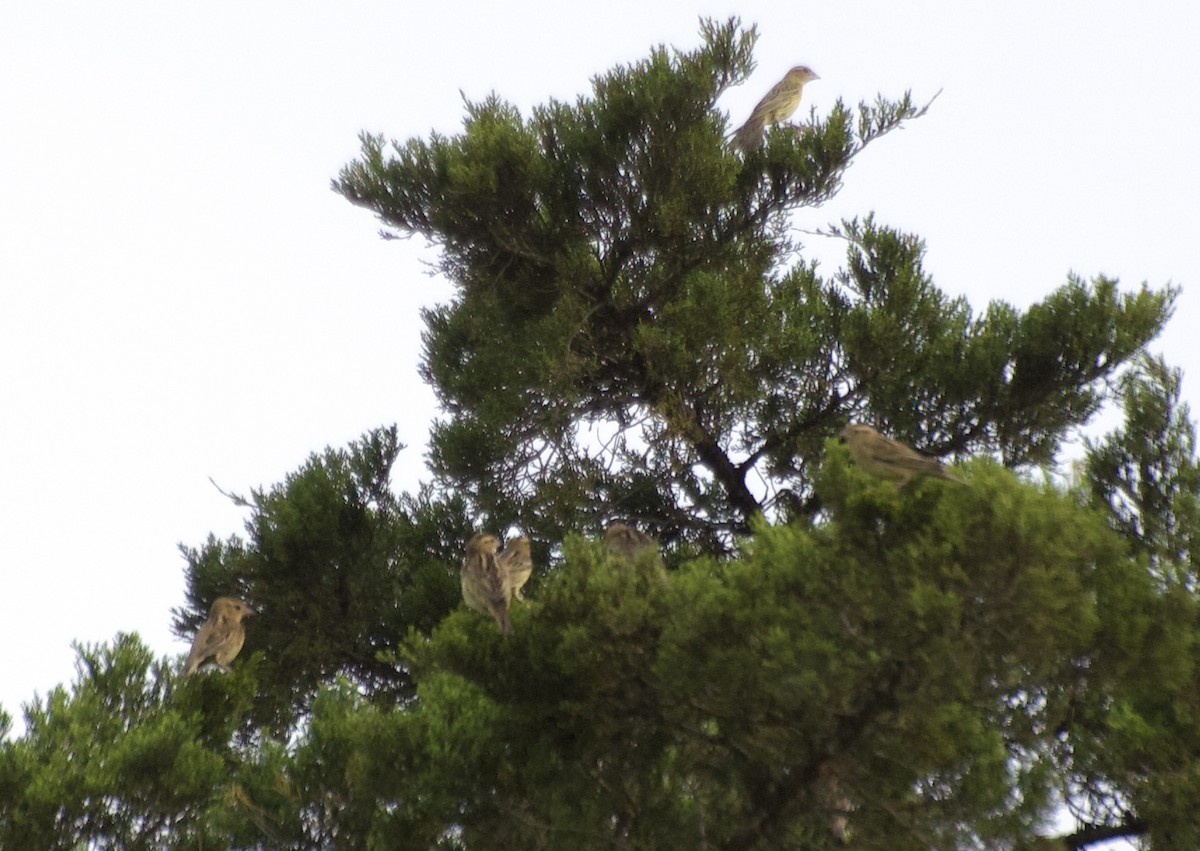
point(749, 135)
point(504, 623)
point(951, 477)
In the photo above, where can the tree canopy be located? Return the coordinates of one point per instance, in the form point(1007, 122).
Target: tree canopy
point(635, 331)
point(637, 335)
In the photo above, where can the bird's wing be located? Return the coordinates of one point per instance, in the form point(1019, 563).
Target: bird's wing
point(516, 556)
point(216, 635)
point(888, 451)
point(898, 456)
point(491, 579)
point(207, 641)
point(762, 109)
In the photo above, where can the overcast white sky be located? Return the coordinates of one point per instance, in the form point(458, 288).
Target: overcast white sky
point(181, 296)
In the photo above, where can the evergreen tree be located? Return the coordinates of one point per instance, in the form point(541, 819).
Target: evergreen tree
point(635, 334)
point(123, 760)
point(832, 661)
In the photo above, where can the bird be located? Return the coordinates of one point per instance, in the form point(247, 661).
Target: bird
point(516, 566)
point(627, 544)
point(776, 106)
point(221, 636)
point(483, 586)
point(889, 459)
point(831, 777)
point(623, 541)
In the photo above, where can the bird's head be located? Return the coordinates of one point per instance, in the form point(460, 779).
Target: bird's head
point(617, 532)
point(802, 74)
point(854, 430)
point(518, 545)
point(482, 543)
point(232, 607)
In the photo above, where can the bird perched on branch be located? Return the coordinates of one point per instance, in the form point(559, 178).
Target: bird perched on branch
point(516, 566)
point(623, 541)
point(885, 458)
point(221, 636)
point(483, 586)
point(778, 105)
point(626, 543)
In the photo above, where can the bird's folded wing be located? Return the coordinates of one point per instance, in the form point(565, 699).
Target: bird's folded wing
point(208, 643)
point(492, 579)
point(899, 456)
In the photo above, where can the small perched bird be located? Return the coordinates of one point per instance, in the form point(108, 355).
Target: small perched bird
point(778, 105)
point(624, 542)
point(516, 566)
point(889, 459)
point(221, 636)
point(831, 777)
point(483, 585)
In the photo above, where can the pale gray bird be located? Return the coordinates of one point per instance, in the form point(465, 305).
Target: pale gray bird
point(889, 459)
point(516, 566)
point(776, 106)
point(482, 581)
point(221, 636)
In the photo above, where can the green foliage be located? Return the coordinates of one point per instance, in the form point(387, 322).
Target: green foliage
point(122, 760)
point(1136, 715)
point(1146, 473)
point(339, 569)
point(924, 643)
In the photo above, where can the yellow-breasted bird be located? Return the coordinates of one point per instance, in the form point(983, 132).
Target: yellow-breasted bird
point(889, 459)
point(483, 582)
point(516, 566)
point(776, 106)
point(221, 636)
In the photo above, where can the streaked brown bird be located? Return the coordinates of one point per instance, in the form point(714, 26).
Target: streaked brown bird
point(889, 459)
point(628, 544)
point(221, 636)
point(483, 586)
point(516, 566)
point(776, 106)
